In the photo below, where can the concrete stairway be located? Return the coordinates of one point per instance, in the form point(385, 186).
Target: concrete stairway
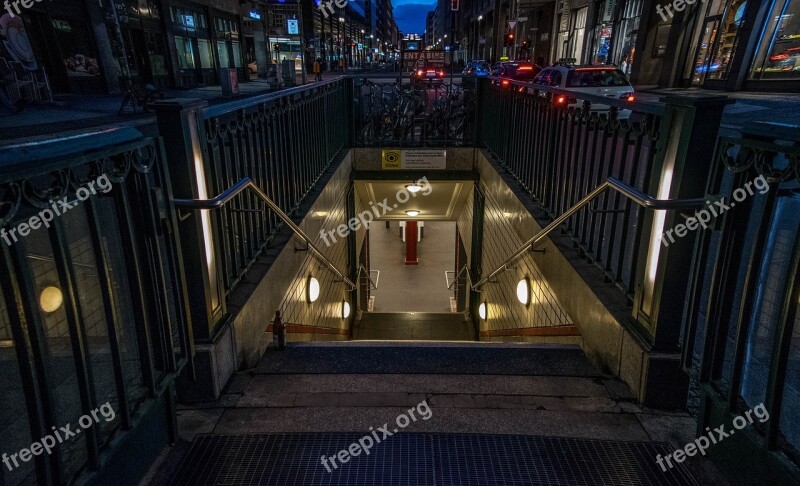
point(324, 390)
point(413, 326)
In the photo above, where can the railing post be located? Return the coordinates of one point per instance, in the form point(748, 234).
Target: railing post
point(183, 135)
point(683, 162)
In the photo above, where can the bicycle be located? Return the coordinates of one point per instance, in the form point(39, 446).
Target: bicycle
point(136, 96)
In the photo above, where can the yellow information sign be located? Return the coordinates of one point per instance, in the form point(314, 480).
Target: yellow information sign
point(391, 159)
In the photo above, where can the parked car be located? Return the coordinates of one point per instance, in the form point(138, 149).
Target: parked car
point(598, 80)
point(516, 71)
point(427, 74)
point(477, 68)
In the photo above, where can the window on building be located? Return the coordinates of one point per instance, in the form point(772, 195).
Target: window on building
point(727, 40)
point(779, 54)
point(185, 52)
point(206, 56)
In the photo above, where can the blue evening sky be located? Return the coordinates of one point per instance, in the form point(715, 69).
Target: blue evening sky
point(410, 14)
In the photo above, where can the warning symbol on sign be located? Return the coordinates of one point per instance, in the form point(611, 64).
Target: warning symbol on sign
point(391, 159)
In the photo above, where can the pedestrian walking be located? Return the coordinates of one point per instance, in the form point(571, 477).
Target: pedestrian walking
point(317, 70)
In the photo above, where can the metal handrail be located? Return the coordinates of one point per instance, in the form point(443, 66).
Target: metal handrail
point(626, 190)
point(455, 278)
point(247, 183)
point(369, 272)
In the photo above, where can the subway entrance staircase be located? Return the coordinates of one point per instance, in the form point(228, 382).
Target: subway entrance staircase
point(500, 414)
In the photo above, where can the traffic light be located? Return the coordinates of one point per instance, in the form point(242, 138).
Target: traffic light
point(509, 40)
point(526, 45)
point(277, 48)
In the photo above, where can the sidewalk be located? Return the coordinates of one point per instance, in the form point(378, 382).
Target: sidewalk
point(71, 112)
point(749, 106)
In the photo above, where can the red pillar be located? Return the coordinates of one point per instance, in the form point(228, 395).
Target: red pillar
point(411, 243)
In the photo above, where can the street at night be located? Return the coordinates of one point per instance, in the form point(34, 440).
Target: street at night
point(400, 242)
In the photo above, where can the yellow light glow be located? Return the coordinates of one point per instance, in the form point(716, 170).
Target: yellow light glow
point(51, 299)
point(524, 291)
point(412, 212)
point(312, 289)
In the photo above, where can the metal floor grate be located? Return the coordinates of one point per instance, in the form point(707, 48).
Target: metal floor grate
point(421, 459)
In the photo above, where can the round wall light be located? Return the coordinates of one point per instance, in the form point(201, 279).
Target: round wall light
point(345, 309)
point(412, 212)
point(414, 187)
point(312, 289)
point(524, 291)
point(51, 299)
point(482, 311)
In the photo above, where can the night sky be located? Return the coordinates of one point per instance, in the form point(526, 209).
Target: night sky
point(410, 14)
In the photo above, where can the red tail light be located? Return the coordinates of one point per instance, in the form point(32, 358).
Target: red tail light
point(561, 100)
point(631, 98)
point(628, 97)
point(505, 82)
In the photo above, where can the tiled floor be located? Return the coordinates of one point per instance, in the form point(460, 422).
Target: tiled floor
point(412, 288)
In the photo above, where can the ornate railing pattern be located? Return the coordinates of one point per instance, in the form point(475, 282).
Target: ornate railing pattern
point(559, 152)
point(394, 114)
point(283, 143)
point(91, 302)
point(740, 343)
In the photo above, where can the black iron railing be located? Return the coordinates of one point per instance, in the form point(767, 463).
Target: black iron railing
point(560, 150)
point(283, 143)
point(392, 113)
point(92, 308)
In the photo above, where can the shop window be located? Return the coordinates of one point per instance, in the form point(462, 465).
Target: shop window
point(727, 39)
point(237, 55)
point(74, 42)
point(155, 51)
point(185, 52)
point(222, 51)
point(206, 54)
point(779, 54)
point(579, 28)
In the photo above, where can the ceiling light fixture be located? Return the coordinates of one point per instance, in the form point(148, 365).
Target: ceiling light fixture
point(413, 187)
point(412, 212)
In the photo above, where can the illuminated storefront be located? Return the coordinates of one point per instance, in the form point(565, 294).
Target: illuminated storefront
point(778, 57)
point(733, 45)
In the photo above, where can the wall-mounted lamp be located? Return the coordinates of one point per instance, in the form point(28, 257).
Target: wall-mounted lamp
point(482, 311)
point(312, 289)
point(524, 291)
point(345, 309)
point(51, 299)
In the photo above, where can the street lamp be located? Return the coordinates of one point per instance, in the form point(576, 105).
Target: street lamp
point(478, 45)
